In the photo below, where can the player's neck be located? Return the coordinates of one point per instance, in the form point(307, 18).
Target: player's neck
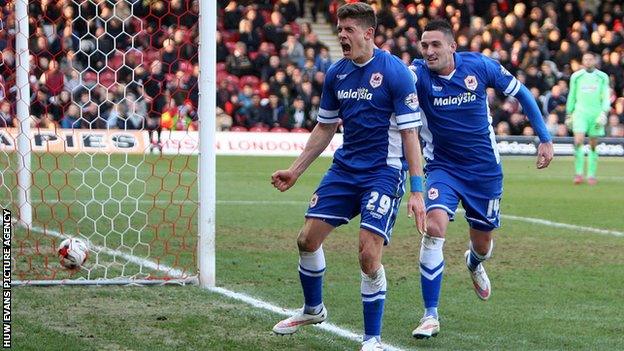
point(366, 56)
point(448, 69)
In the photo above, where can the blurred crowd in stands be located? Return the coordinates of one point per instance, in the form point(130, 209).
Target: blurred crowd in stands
point(135, 64)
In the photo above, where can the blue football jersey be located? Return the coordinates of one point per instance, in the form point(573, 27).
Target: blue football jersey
point(375, 100)
point(457, 126)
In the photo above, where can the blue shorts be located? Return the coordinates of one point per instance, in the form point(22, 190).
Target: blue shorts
point(375, 195)
point(481, 200)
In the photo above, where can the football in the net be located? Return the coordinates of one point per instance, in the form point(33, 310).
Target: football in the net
point(73, 253)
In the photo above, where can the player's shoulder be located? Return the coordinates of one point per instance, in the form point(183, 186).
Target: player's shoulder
point(419, 64)
point(385, 58)
point(477, 59)
point(419, 67)
point(578, 73)
point(602, 74)
point(335, 69)
point(469, 56)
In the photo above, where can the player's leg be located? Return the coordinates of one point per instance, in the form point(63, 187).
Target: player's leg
point(480, 249)
point(312, 263)
point(431, 272)
point(592, 156)
point(592, 162)
point(333, 204)
point(482, 204)
point(373, 287)
point(579, 128)
point(441, 201)
point(311, 271)
point(379, 206)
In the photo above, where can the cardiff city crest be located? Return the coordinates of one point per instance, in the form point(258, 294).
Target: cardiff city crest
point(471, 82)
point(376, 79)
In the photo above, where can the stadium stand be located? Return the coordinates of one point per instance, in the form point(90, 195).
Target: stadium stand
point(271, 64)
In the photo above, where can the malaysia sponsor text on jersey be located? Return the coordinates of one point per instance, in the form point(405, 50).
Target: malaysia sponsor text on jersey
point(359, 94)
point(457, 100)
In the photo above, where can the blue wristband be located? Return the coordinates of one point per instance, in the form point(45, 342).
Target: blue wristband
point(416, 184)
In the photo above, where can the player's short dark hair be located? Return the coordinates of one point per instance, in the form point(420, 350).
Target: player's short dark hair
point(359, 11)
point(442, 26)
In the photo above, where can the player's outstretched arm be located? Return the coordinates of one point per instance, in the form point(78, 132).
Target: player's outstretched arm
point(545, 152)
point(415, 204)
point(320, 137)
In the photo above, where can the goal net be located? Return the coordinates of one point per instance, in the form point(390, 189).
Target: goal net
point(108, 150)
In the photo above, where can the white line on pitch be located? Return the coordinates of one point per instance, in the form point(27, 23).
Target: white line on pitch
point(564, 225)
point(332, 328)
point(559, 224)
point(176, 273)
point(297, 202)
point(173, 202)
point(173, 272)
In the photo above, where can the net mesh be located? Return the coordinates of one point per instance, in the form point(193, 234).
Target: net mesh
point(113, 137)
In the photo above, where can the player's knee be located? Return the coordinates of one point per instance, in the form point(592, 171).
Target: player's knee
point(436, 229)
point(305, 242)
point(369, 260)
point(368, 263)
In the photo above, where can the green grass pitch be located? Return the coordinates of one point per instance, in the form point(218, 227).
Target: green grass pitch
point(554, 288)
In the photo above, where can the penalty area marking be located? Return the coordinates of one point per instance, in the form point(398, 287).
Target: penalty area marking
point(254, 302)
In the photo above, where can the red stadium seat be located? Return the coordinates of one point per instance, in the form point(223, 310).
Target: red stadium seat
point(107, 78)
point(266, 14)
point(150, 56)
point(253, 55)
point(279, 130)
point(232, 79)
point(220, 67)
point(259, 129)
point(251, 80)
point(299, 130)
point(238, 129)
point(115, 62)
point(223, 75)
point(89, 77)
point(230, 36)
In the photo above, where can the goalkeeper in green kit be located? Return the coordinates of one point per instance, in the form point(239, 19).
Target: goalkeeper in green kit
point(587, 108)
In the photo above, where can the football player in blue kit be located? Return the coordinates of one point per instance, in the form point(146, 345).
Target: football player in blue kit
point(462, 160)
point(367, 90)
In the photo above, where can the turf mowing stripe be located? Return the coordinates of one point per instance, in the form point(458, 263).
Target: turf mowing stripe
point(176, 273)
point(296, 202)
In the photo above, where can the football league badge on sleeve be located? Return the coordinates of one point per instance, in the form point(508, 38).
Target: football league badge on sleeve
point(471, 82)
point(376, 79)
point(412, 101)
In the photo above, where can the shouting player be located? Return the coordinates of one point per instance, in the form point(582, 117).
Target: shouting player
point(367, 90)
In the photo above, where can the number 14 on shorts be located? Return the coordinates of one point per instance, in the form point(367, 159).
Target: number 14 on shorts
point(493, 207)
